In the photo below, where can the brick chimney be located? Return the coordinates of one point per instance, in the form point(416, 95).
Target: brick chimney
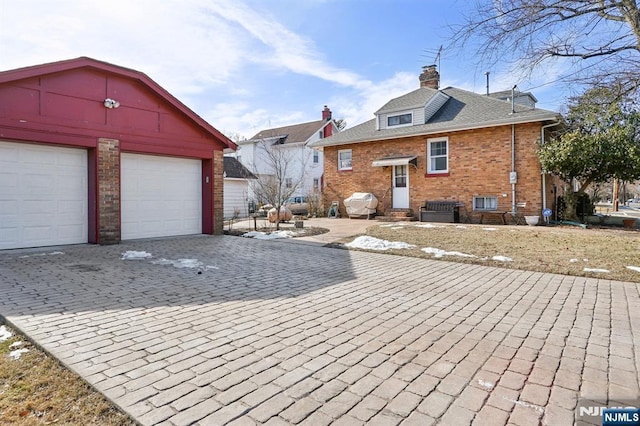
point(430, 77)
point(326, 116)
point(326, 113)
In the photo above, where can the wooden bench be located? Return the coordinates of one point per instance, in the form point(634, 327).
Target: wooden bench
point(501, 214)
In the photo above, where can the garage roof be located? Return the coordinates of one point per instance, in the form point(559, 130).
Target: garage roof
point(85, 62)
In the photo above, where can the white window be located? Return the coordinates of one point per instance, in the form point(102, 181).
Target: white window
point(316, 184)
point(344, 159)
point(288, 182)
point(320, 134)
point(398, 120)
point(437, 155)
point(316, 157)
point(485, 203)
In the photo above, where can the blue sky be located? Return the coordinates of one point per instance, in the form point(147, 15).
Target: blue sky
point(246, 65)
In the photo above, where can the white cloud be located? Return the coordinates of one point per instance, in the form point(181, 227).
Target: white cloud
point(360, 105)
point(287, 49)
point(174, 42)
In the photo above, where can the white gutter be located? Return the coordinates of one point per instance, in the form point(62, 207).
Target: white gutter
point(544, 180)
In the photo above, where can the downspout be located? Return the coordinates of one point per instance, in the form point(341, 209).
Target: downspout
point(513, 178)
point(544, 180)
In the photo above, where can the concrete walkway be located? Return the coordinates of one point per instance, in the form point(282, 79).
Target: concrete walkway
point(338, 228)
point(265, 332)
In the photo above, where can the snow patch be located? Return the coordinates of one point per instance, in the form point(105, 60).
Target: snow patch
point(371, 243)
point(440, 253)
point(538, 408)
point(604, 271)
point(486, 385)
point(271, 236)
point(183, 263)
point(489, 229)
point(16, 345)
point(578, 260)
point(17, 353)
point(134, 255)
point(502, 259)
point(428, 225)
point(634, 268)
point(5, 334)
point(53, 253)
point(461, 227)
point(179, 263)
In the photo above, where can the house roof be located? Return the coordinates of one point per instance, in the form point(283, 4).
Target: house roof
point(462, 111)
point(234, 169)
point(506, 94)
point(416, 99)
point(297, 133)
point(85, 62)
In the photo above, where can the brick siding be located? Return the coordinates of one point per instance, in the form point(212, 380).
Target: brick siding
point(479, 165)
point(109, 230)
point(218, 193)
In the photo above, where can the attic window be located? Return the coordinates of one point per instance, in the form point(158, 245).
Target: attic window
point(398, 120)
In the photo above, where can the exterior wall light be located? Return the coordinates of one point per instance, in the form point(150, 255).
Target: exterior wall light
point(111, 103)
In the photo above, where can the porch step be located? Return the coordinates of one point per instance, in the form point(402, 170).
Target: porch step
point(397, 215)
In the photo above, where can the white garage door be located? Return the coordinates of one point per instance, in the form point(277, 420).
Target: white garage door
point(161, 196)
point(43, 195)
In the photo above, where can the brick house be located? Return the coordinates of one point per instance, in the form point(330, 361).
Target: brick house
point(443, 144)
point(93, 152)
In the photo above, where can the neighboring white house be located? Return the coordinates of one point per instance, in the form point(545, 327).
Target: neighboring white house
point(305, 168)
point(236, 189)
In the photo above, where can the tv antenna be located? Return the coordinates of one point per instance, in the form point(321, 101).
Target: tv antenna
point(438, 55)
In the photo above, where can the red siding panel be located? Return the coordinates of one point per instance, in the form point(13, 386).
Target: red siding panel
point(126, 117)
point(18, 101)
point(83, 111)
point(80, 83)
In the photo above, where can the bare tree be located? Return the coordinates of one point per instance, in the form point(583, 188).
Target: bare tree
point(599, 38)
point(279, 173)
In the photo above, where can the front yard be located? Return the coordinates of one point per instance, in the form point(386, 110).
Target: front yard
point(607, 253)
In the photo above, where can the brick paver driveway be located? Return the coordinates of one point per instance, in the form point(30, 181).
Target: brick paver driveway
point(281, 333)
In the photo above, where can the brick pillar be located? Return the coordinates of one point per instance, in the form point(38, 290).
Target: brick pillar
point(218, 192)
point(108, 191)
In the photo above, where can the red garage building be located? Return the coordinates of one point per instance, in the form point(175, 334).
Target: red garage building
point(93, 152)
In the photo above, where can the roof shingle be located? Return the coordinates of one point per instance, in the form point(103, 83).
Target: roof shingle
point(464, 110)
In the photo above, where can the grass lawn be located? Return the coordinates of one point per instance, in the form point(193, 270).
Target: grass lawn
point(557, 249)
point(36, 390)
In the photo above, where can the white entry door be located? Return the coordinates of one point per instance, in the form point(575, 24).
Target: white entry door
point(401, 187)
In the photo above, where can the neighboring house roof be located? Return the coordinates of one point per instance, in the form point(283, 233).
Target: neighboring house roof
point(235, 170)
point(506, 94)
point(85, 62)
point(296, 133)
point(462, 111)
